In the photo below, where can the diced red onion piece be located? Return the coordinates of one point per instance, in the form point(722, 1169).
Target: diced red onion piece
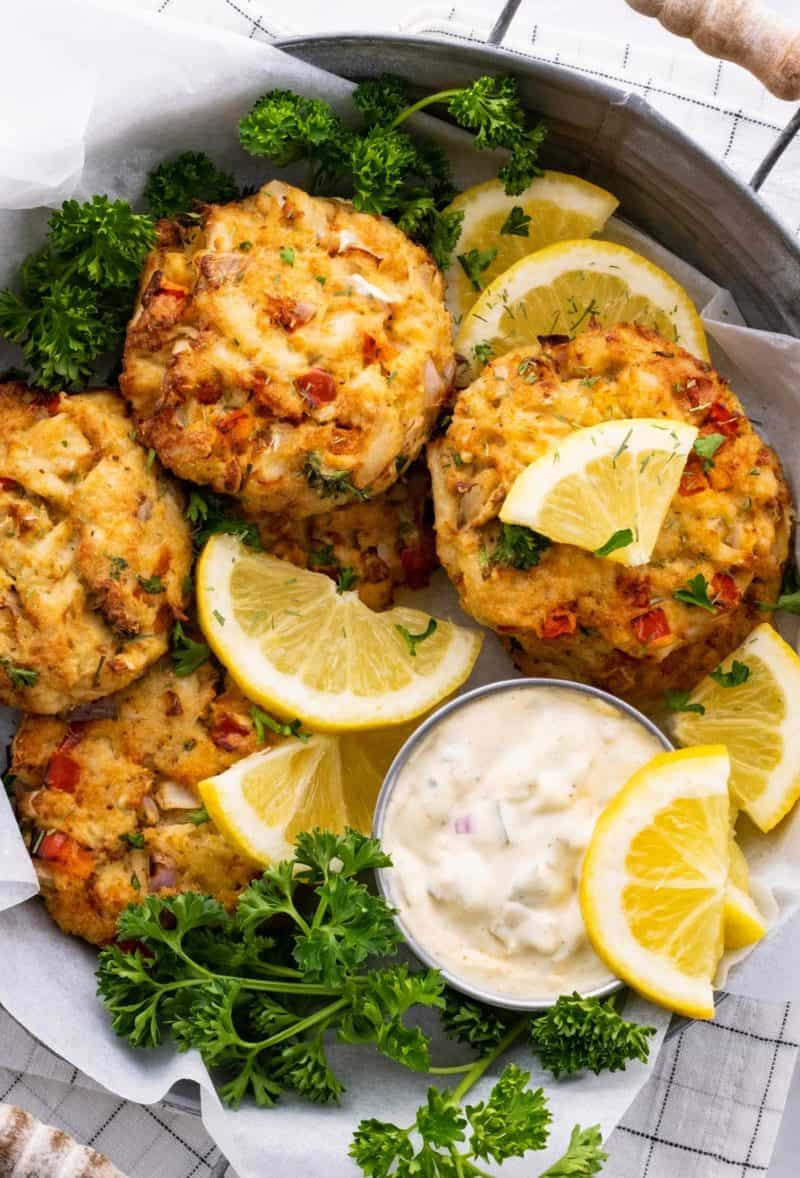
point(463, 825)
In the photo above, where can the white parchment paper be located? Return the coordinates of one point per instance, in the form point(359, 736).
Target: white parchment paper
point(115, 93)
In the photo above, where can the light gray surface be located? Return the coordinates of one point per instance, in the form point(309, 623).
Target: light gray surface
point(785, 1163)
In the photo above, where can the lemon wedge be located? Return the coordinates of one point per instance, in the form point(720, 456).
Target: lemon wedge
point(744, 924)
point(758, 721)
point(554, 207)
point(653, 883)
point(560, 289)
point(264, 801)
point(294, 644)
point(606, 488)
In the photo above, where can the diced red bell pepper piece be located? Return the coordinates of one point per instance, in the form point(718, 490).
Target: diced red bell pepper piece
point(67, 854)
point(693, 481)
point(725, 591)
point(228, 733)
point(651, 626)
point(558, 623)
point(63, 771)
point(723, 420)
point(317, 386)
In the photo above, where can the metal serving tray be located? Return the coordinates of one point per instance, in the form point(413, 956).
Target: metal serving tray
point(667, 185)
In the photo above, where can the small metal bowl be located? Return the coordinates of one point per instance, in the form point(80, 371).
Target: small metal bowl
point(384, 876)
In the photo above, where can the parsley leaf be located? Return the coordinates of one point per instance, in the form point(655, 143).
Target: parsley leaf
point(483, 351)
point(76, 294)
point(176, 186)
point(587, 1033)
point(789, 598)
point(187, 655)
point(209, 513)
point(678, 701)
point(263, 722)
point(151, 584)
point(621, 539)
point(444, 236)
point(707, 446)
point(518, 547)
point(19, 676)
point(133, 838)
point(513, 1120)
point(346, 580)
point(474, 262)
point(738, 674)
point(330, 484)
point(516, 223)
point(583, 1157)
point(472, 1022)
point(412, 641)
point(696, 593)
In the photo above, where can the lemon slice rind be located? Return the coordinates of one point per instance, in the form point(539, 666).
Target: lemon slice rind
point(646, 488)
point(731, 719)
point(260, 803)
point(561, 206)
point(539, 270)
point(336, 653)
point(697, 773)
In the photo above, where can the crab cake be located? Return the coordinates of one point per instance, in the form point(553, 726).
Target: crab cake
point(288, 350)
point(109, 806)
point(94, 550)
point(564, 611)
point(383, 544)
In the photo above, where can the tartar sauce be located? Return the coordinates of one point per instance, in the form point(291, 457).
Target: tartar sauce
point(487, 826)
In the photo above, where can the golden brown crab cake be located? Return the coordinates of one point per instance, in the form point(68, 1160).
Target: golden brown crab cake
point(109, 806)
point(94, 550)
point(288, 350)
point(384, 543)
point(574, 614)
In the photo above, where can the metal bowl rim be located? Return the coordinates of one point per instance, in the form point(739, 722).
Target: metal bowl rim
point(382, 876)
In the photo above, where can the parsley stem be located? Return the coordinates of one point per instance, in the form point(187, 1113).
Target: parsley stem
point(320, 1016)
point(442, 96)
point(456, 1070)
point(479, 1067)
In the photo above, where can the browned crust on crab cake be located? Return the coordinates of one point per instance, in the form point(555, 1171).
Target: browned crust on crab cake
point(94, 549)
point(386, 543)
point(87, 792)
point(575, 614)
point(284, 341)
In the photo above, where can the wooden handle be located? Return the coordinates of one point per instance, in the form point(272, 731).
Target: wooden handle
point(742, 31)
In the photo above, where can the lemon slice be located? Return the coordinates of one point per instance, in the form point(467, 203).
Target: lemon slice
point(263, 802)
point(744, 924)
point(560, 289)
point(606, 485)
point(759, 723)
point(653, 882)
point(554, 207)
point(294, 644)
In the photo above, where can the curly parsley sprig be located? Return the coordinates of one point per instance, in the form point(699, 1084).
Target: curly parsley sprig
point(380, 165)
point(76, 293)
point(259, 993)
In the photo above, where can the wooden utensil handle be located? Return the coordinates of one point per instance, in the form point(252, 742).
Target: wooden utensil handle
point(743, 31)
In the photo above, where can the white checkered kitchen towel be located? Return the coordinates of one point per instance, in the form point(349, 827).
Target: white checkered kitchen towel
point(713, 1107)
